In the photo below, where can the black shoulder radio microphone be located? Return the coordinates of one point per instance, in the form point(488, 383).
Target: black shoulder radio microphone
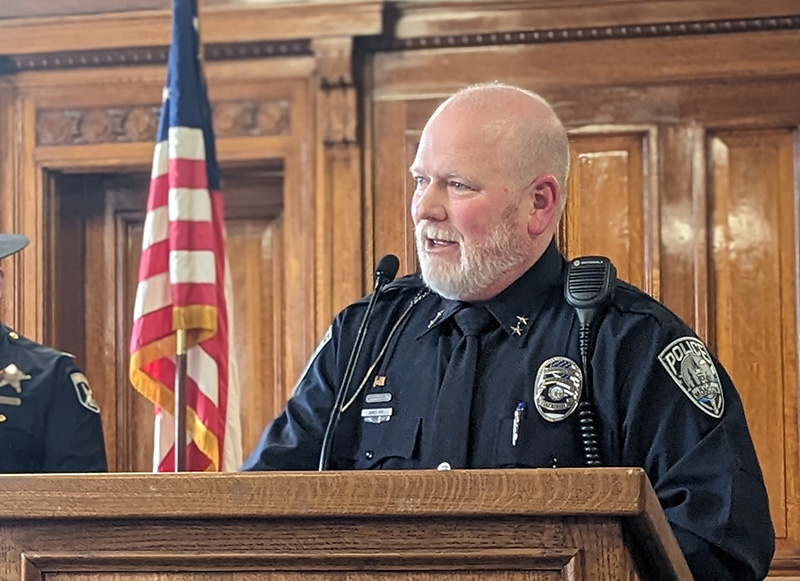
point(384, 274)
point(589, 288)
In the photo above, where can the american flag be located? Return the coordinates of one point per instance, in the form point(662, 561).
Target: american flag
point(183, 273)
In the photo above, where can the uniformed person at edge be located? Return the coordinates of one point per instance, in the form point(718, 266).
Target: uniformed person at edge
point(490, 176)
point(49, 419)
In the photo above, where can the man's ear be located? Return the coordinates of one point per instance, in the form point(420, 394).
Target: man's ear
point(546, 194)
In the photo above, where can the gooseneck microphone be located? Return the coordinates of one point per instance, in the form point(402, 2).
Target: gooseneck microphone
point(384, 274)
point(589, 288)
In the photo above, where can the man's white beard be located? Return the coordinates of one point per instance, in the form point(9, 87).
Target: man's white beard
point(479, 265)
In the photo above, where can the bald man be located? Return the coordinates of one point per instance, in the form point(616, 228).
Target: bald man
point(475, 362)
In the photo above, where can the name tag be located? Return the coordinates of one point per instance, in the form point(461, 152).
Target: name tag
point(375, 412)
point(6, 400)
point(378, 397)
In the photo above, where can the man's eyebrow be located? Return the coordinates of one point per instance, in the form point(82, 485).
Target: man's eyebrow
point(459, 176)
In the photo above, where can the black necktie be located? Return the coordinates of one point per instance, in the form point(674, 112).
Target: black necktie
point(448, 436)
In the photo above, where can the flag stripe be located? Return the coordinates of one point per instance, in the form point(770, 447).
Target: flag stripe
point(192, 266)
point(202, 370)
point(156, 227)
point(190, 204)
point(186, 143)
point(152, 294)
point(149, 328)
point(154, 260)
point(160, 160)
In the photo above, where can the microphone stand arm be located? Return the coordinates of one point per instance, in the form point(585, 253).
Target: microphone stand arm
point(347, 380)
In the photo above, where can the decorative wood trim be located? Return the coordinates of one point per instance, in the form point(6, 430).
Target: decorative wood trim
point(302, 47)
point(788, 566)
point(519, 559)
point(418, 18)
point(240, 24)
point(133, 124)
point(337, 98)
point(627, 31)
point(150, 55)
point(339, 183)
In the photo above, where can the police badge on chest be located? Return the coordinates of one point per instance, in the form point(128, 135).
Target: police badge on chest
point(557, 389)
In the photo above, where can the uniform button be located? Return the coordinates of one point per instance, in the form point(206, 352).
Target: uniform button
point(369, 454)
point(2, 418)
point(443, 467)
point(13, 335)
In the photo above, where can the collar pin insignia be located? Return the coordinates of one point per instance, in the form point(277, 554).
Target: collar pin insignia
point(436, 318)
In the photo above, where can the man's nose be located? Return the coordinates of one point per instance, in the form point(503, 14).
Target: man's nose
point(429, 203)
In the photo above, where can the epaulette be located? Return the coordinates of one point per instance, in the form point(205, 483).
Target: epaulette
point(630, 299)
point(30, 345)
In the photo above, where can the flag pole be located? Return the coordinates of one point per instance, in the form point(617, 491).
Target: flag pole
point(180, 400)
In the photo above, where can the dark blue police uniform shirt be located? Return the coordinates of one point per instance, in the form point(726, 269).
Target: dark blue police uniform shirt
point(703, 468)
point(49, 420)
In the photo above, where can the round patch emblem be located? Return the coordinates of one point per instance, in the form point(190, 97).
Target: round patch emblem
point(558, 387)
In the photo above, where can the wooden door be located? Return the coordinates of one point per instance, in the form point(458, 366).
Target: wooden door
point(98, 220)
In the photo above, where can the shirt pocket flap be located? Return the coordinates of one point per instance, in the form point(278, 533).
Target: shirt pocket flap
point(16, 418)
point(388, 444)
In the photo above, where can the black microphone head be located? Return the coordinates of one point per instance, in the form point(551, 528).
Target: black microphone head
point(386, 269)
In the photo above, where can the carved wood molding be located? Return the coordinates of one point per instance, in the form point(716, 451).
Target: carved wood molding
point(93, 125)
point(150, 55)
point(337, 99)
point(239, 22)
point(305, 47)
point(668, 29)
point(785, 566)
point(480, 558)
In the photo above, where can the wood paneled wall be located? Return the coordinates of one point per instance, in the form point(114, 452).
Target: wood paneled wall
point(683, 119)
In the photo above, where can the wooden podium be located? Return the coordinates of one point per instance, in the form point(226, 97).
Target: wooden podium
point(574, 524)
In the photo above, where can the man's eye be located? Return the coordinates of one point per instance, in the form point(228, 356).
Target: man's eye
point(419, 180)
point(458, 186)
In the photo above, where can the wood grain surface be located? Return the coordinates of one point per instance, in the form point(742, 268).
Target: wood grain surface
point(575, 524)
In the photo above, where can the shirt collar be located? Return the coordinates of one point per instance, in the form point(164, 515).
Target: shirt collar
point(518, 306)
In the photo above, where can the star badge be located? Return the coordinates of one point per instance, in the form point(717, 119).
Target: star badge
point(523, 320)
point(13, 375)
point(516, 329)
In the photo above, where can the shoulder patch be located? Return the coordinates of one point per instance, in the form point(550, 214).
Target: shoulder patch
point(84, 392)
point(689, 364)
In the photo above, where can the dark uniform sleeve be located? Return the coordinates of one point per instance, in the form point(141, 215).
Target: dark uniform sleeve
point(700, 458)
point(73, 439)
point(292, 441)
